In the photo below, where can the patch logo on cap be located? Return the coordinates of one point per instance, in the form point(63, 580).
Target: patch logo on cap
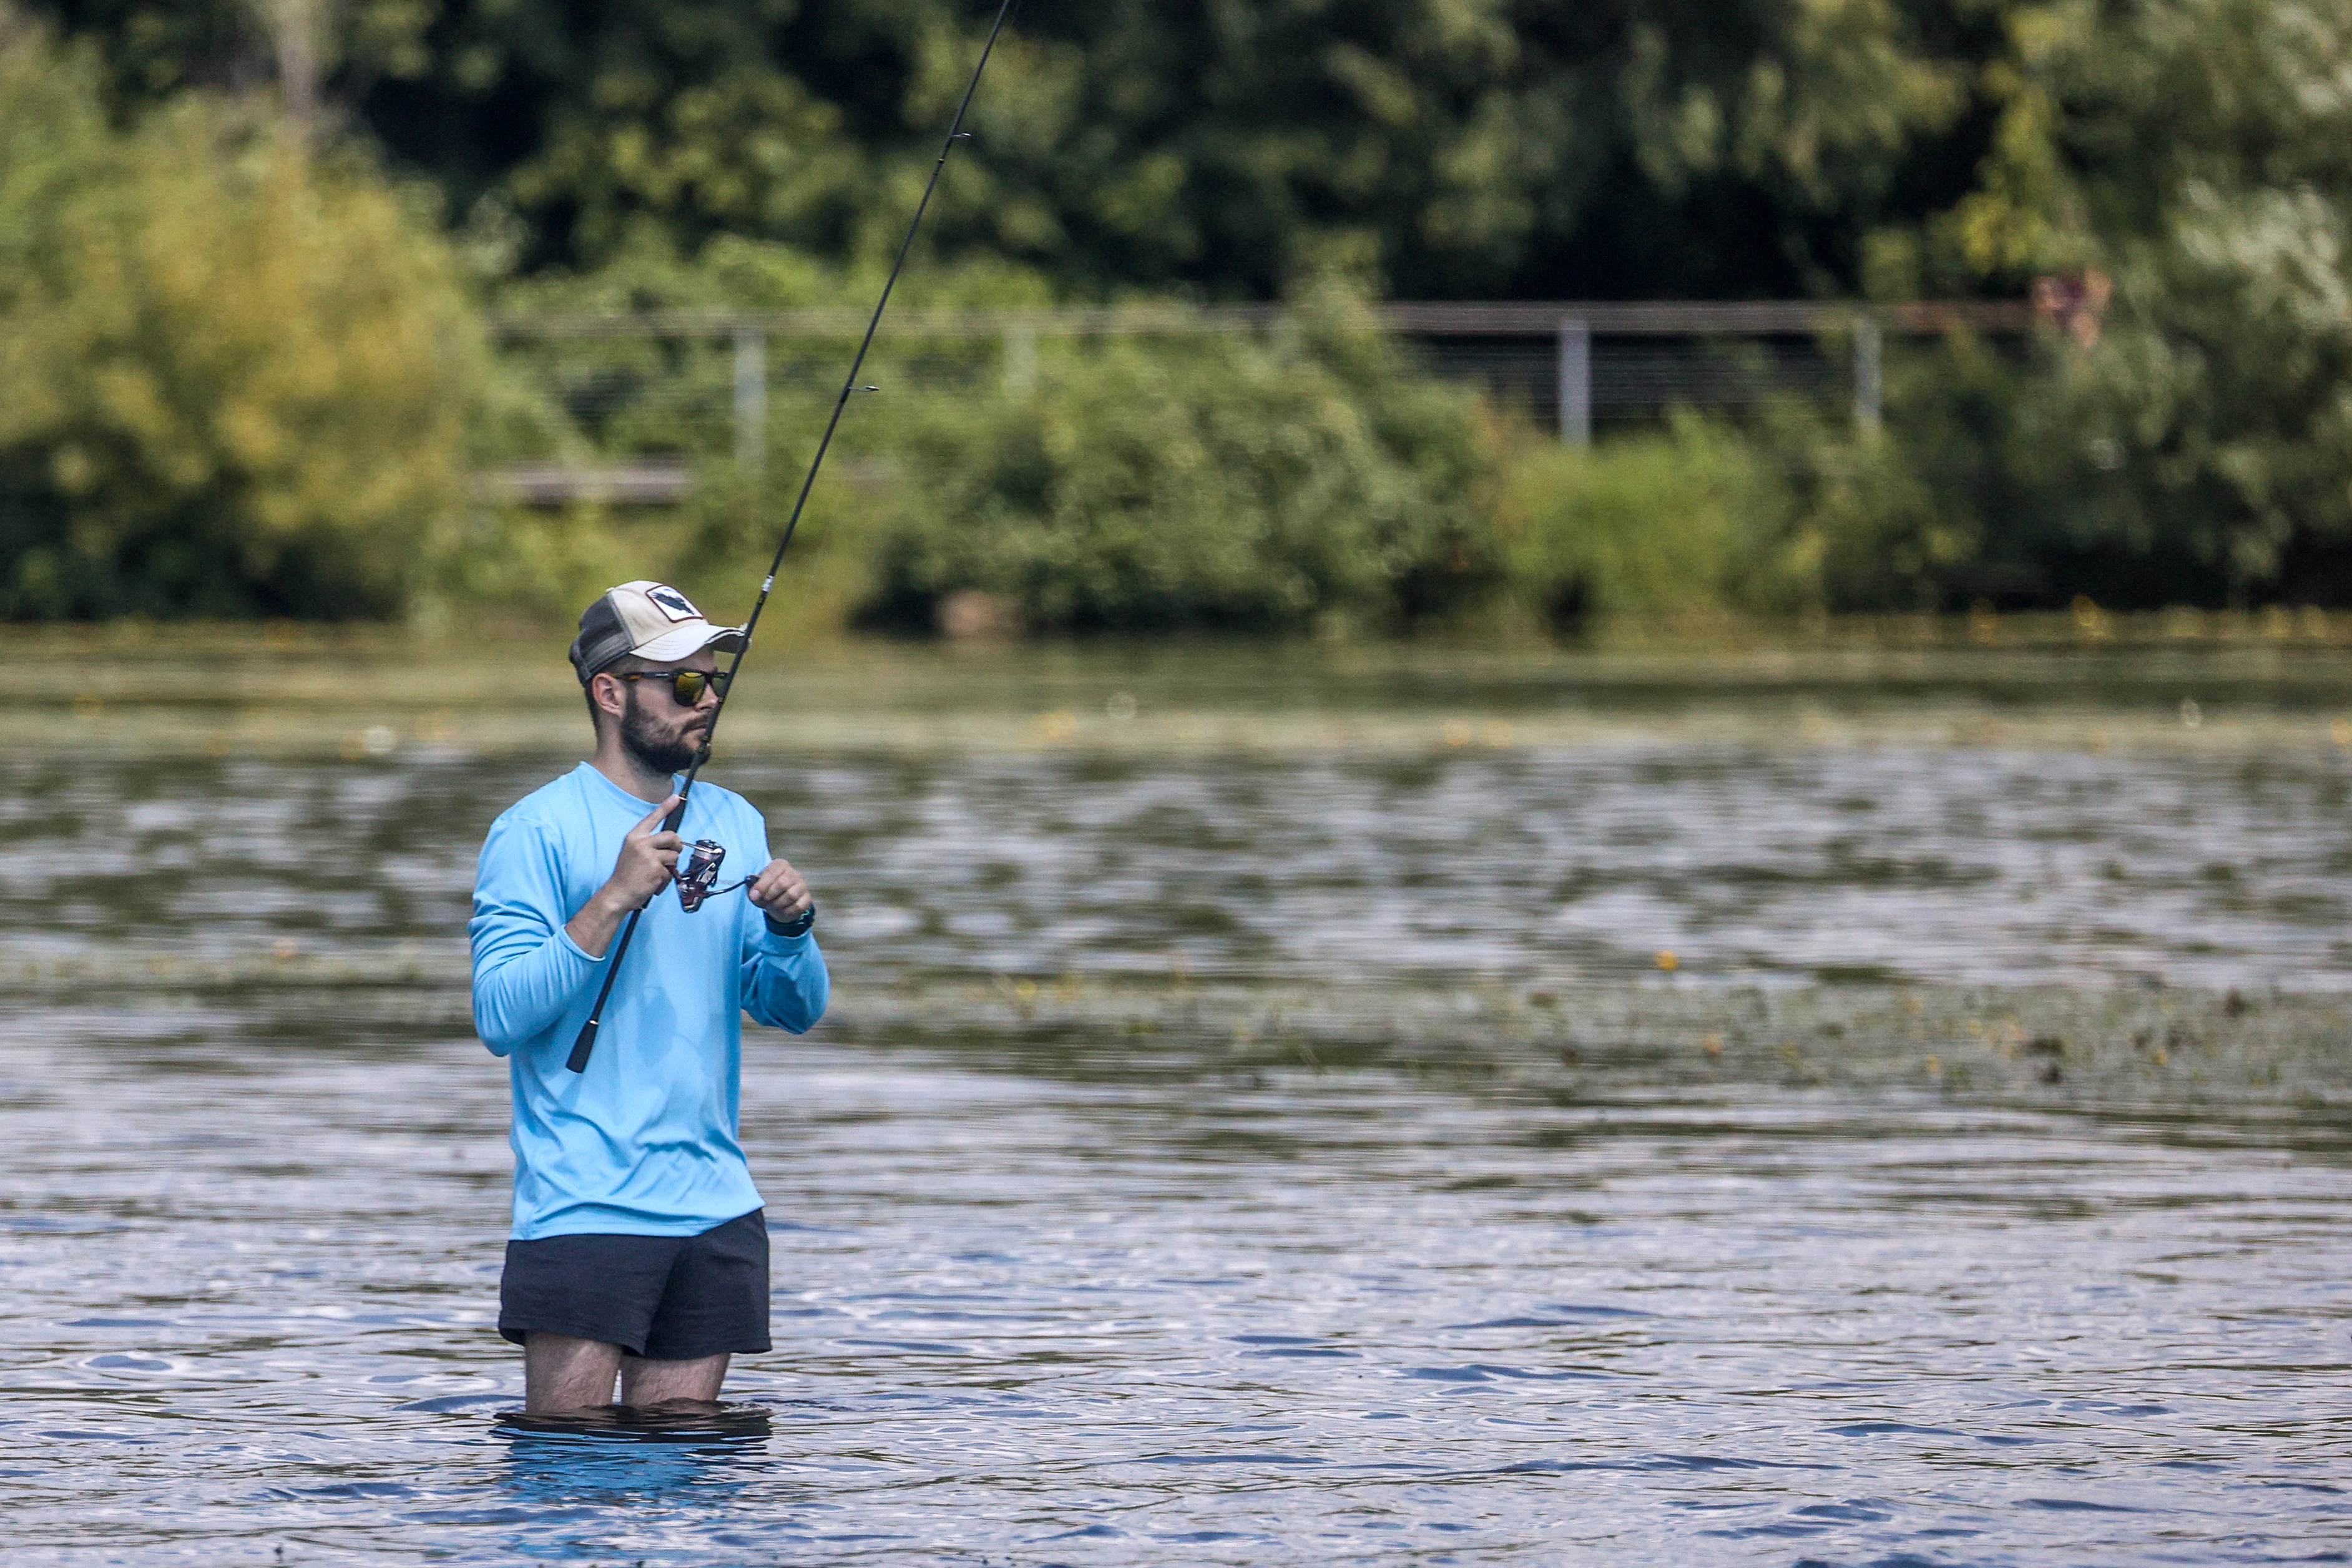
point(672, 603)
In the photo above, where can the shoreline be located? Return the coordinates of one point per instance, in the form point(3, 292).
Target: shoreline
point(382, 694)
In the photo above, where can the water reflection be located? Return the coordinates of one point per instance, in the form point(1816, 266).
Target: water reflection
point(592, 1460)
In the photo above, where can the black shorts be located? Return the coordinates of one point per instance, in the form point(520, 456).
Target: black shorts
point(668, 1297)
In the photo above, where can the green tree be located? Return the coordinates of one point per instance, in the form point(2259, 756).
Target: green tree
point(2212, 423)
point(240, 371)
point(1433, 147)
point(2196, 442)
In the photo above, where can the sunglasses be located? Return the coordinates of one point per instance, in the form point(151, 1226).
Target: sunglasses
point(685, 686)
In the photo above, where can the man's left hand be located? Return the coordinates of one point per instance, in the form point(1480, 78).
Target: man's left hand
point(780, 893)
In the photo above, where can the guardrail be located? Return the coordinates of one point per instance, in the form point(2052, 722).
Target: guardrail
point(1406, 317)
point(1541, 351)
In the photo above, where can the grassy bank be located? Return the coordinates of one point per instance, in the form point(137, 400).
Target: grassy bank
point(2185, 680)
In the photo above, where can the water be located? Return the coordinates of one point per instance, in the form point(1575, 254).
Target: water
point(1188, 1318)
point(1772, 865)
point(1083, 1256)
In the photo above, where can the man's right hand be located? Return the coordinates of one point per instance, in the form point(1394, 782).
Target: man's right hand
point(648, 863)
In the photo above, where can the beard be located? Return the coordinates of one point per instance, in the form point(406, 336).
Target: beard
point(656, 749)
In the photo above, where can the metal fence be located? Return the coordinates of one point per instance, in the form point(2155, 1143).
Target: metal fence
point(660, 390)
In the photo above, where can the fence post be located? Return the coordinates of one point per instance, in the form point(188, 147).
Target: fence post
point(1020, 357)
point(751, 401)
point(1575, 381)
point(1869, 372)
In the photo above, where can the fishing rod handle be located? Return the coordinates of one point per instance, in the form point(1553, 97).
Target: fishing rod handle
point(584, 1045)
point(586, 1042)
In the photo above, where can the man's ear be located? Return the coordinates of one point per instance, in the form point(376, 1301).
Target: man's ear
point(609, 694)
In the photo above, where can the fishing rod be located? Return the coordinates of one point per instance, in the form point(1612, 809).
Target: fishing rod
point(586, 1043)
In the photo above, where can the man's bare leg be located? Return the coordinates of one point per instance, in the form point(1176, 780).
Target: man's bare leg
point(560, 1372)
point(645, 1382)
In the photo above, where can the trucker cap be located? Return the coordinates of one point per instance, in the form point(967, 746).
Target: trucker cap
point(652, 620)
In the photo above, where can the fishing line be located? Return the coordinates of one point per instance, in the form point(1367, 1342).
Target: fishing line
point(586, 1042)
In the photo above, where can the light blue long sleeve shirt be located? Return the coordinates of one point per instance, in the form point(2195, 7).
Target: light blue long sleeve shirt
point(645, 1141)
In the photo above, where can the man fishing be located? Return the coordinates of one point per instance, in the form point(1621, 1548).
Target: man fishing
point(639, 1251)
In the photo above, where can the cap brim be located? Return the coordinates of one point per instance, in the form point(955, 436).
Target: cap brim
point(687, 641)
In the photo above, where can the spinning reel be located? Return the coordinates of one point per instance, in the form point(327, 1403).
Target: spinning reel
point(698, 878)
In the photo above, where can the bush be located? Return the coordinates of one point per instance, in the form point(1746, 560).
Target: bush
point(1693, 519)
point(1224, 481)
point(240, 371)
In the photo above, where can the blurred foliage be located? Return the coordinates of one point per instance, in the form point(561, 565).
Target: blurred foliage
point(200, 298)
point(238, 370)
point(1217, 481)
point(2209, 431)
point(1691, 521)
point(1431, 147)
point(2195, 444)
